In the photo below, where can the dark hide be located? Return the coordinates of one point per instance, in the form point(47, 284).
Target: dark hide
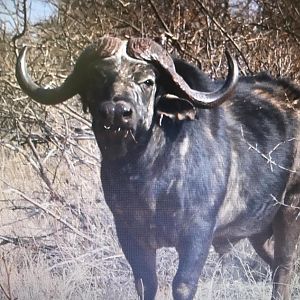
point(214, 180)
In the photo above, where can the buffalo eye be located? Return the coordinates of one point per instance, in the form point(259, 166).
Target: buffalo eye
point(148, 82)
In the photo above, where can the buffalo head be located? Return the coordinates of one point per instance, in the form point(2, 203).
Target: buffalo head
point(118, 83)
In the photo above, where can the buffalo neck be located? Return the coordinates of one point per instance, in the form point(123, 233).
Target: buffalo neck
point(155, 148)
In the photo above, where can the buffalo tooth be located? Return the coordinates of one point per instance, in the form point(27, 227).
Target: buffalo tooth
point(160, 119)
point(106, 127)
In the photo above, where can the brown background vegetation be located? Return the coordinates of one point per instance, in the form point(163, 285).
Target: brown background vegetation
point(57, 237)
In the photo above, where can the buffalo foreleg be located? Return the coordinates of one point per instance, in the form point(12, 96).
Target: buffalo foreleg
point(286, 227)
point(142, 261)
point(192, 250)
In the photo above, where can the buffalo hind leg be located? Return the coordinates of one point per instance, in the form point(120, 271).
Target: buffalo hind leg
point(263, 245)
point(224, 245)
point(286, 227)
point(143, 263)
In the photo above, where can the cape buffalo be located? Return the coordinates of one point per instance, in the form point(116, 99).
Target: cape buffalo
point(188, 162)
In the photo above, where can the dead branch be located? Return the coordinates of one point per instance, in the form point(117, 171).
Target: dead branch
point(161, 20)
point(229, 37)
point(268, 156)
point(81, 257)
point(40, 166)
point(7, 292)
point(55, 216)
point(71, 112)
point(24, 240)
point(277, 202)
point(20, 34)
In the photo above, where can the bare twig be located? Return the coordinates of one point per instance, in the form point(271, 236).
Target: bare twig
point(55, 216)
point(40, 165)
point(7, 292)
point(268, 156)
point(135, 28)
point(222, 29)
point(4, 292)
point(161, 20)
point(71, 112)
point(277, 202)
point(24, 240)
point(20, 34)
point(83, 256)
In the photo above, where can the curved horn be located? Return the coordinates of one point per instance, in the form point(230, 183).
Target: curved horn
point(40, 94)
point(148, 50)
point(105, 47)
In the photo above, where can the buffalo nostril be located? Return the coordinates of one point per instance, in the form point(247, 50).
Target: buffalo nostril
point(107, 111)
point(127, 113)
point(123, 111)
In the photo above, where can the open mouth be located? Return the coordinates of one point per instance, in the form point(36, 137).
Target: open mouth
point(114, 141)
point(114, 132)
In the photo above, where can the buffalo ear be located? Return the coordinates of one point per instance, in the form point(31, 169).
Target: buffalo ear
point(175, 108)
